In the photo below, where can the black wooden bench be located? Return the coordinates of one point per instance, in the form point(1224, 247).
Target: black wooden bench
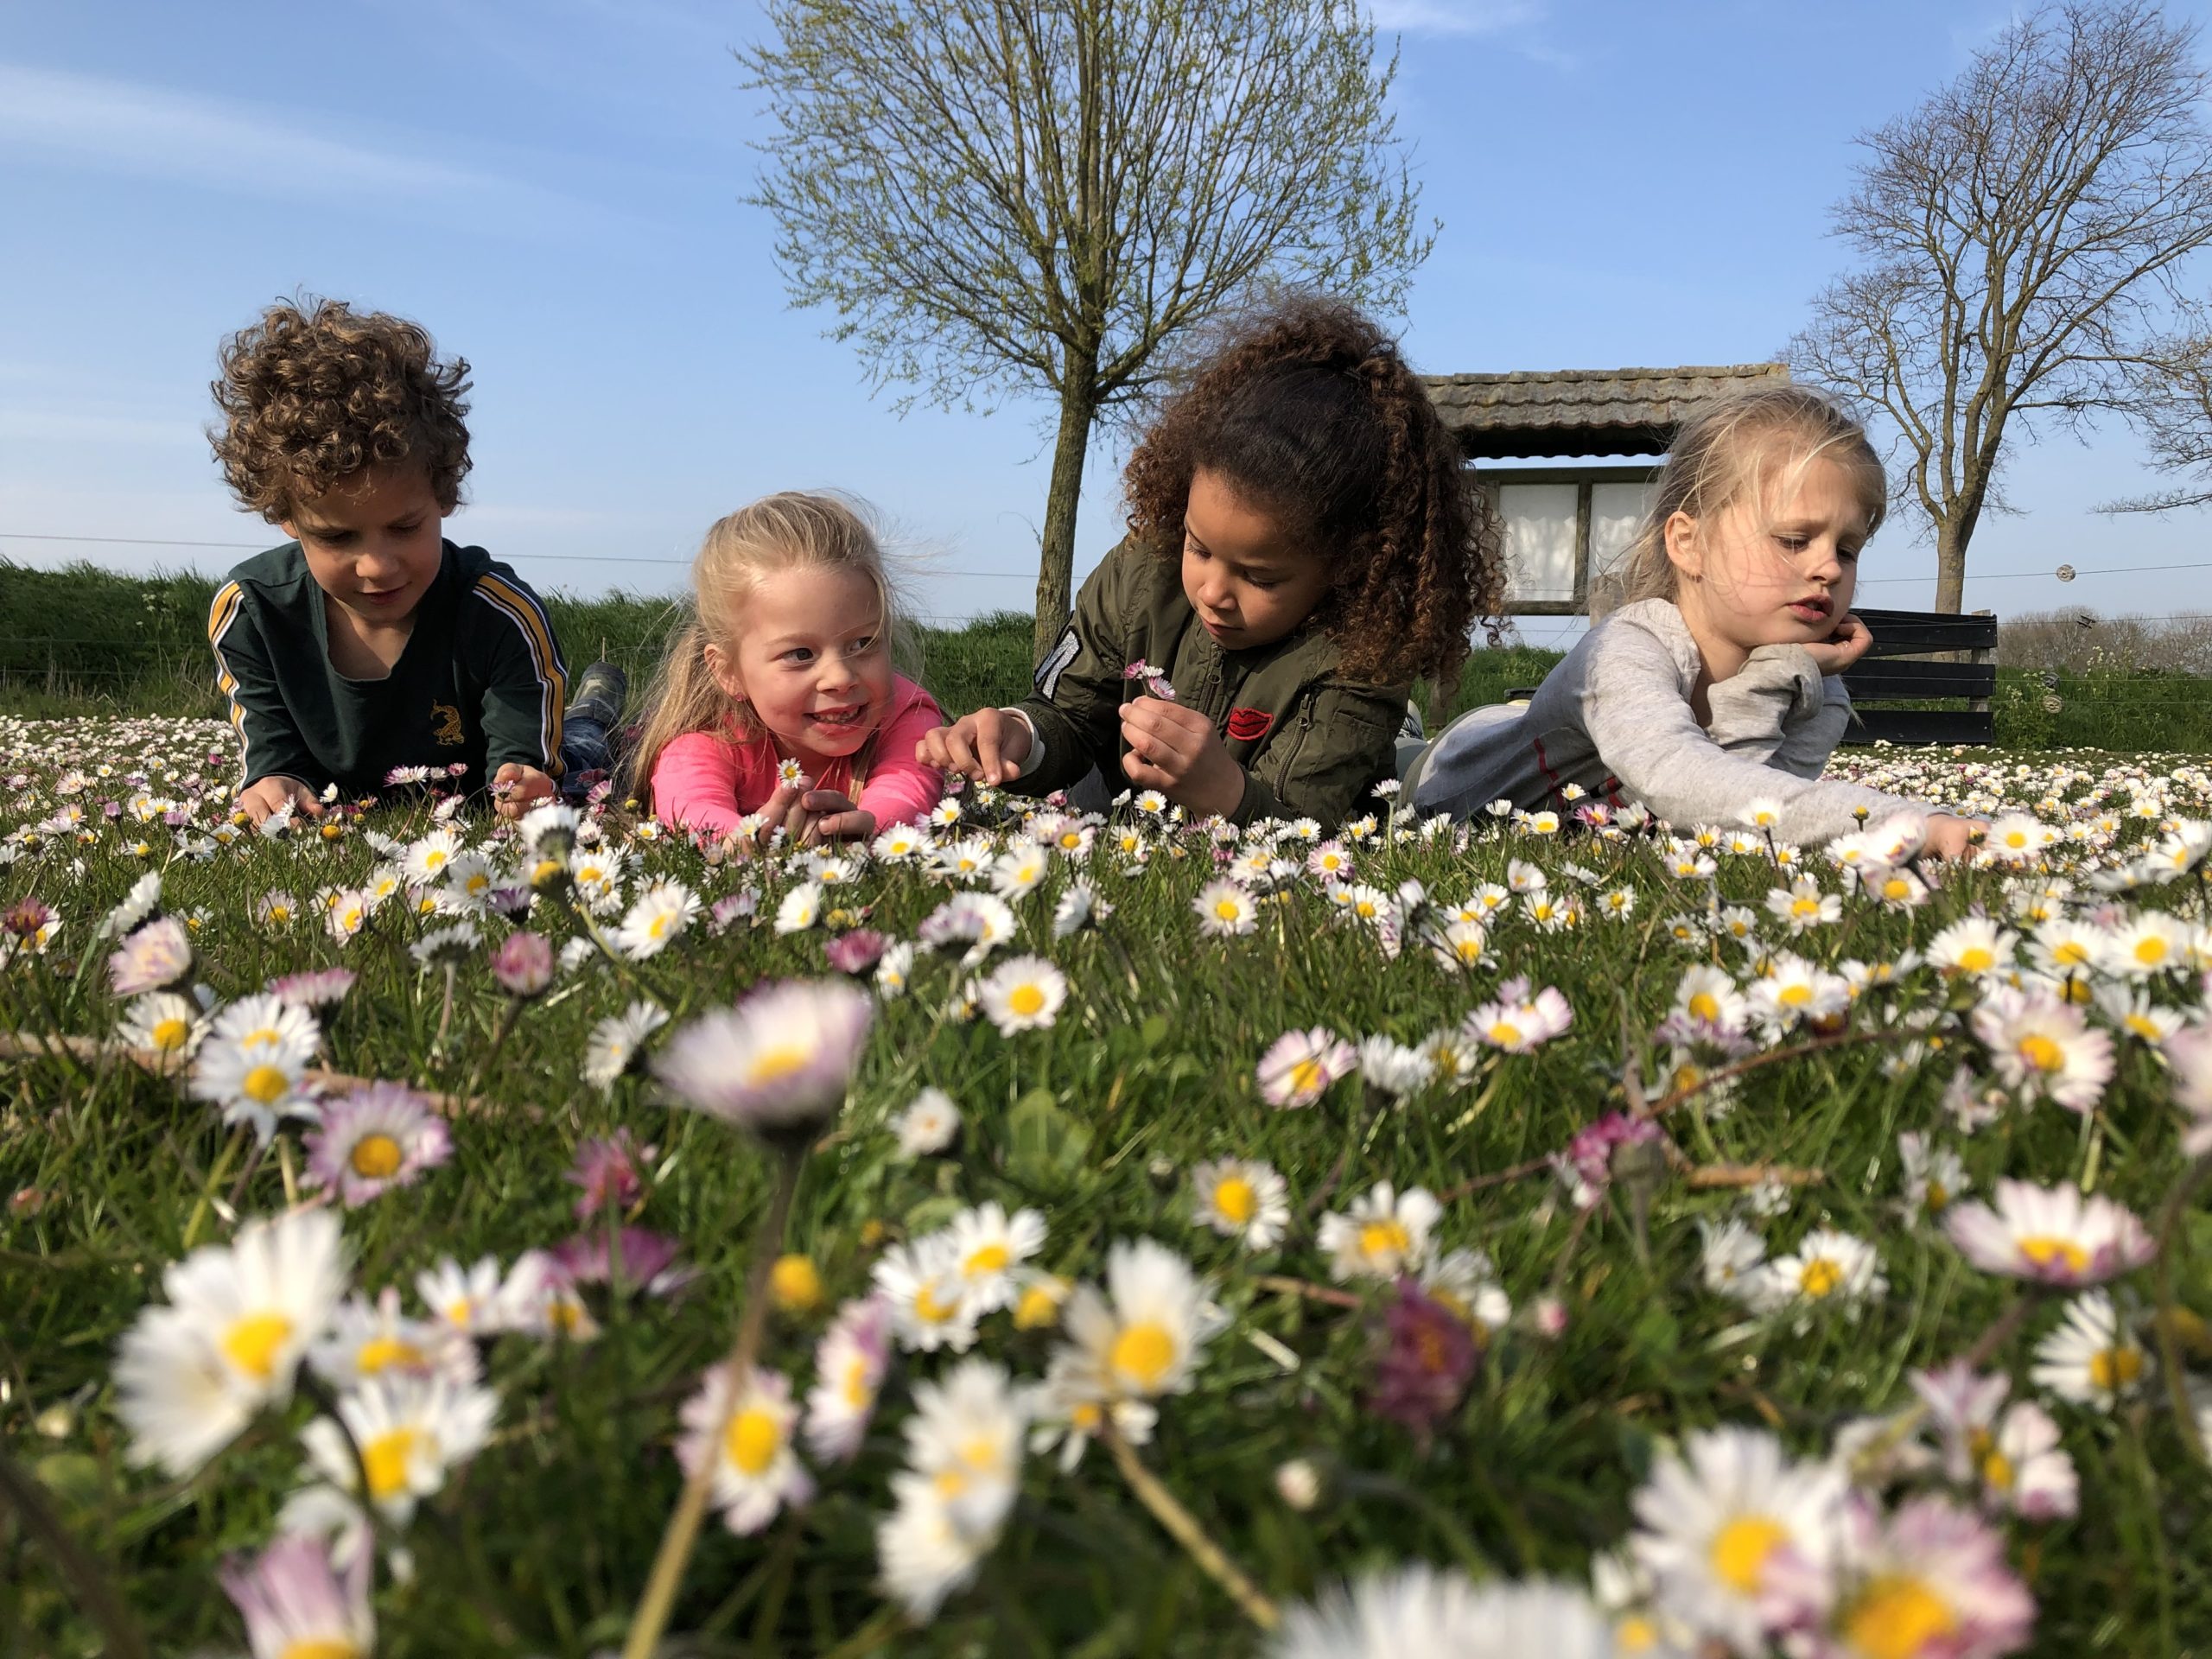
point(1893, 671)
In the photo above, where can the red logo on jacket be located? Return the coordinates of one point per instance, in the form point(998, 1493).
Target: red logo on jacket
point(1250, 725)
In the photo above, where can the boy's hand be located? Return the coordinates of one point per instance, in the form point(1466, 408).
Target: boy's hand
point(988, 745)
point(517, 788)
point(1843, 647)
point(263, 796)
point(832, 816)
point(1948, 836)
point(1176, 751)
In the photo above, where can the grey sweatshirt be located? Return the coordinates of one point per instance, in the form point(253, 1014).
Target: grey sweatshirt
point(1614, 717)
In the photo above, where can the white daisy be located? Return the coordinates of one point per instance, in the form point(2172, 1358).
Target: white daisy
point(756, 1469)
point(928, 1125)
point(1022, 994)
point(1240, 1198)
point(2092, 1357)
point(990, 1248)
point(612, 1047)
point(929, 1308)
point(658, 915)
point(410, 1429)
point(1144, 1335)
point(1383, 1235)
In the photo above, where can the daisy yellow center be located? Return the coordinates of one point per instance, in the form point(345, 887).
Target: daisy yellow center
point(170, 1033)
point(1898, 1618)
point(1144, 1351)
point(2072, 953)
point(1741, 1549)
point(266, 1085)
point(754, 1439)
point(375, 1157)
point(658, 926)
point(1705, 1005)
point(1935, 1198)
point(262, 1037)
point(1306, 1078)
point(280, 913)
point(1234, 1197)
point(1226, 909)
point(1820, 1277)
point(1470, 950)
point(384, 1461)
point(1036, 1310)
point(460, 1312)
point(1384, 1238)
point(1805, 907)
point(253, 1344)
point(2042, 1052)
point(1026, 1000)
point(857, 1391)
point(1504, 1033)
point(933, 1309)
point(1997, 1469)
point(774, 1064)
point(321, 1647)
point(1896, 888)
point(2150, 950)
point(380, 1353)
point(1086, 1417)
point(2146, 1029)
point(1977, 959)
point(986, 1260)
point(1636, 1634)
point(434, 860)
point(2045, 1251)
point(1794, 996)
point(2113, 1369)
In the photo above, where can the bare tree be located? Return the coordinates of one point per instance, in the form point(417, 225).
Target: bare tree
point(2025, 233)
point(1007, 197)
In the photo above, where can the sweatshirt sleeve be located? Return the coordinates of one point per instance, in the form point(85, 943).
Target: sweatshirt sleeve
point(1808, 743)
point(1346, 738)
point(1641, 723)
point(270, 742)
point(1077, 706)
point(900, 789)
point(525, 681)
point(1777, 688)
point(695, 784)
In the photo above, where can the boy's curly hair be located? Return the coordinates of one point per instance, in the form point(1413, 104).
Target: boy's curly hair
point(1308, 412)
point(315, 391)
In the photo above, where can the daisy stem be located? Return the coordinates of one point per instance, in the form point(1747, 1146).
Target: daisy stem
point(214, 1180)
point(2169, 1219)
point(445, 1013)
point(676, 1544)
point(95, 1596)
point(500, 1033)
point(1183, 1528)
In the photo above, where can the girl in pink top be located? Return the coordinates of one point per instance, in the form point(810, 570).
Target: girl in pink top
point(776, 706)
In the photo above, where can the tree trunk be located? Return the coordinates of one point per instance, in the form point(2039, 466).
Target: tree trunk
point(1056, 558)
point(1950, 566)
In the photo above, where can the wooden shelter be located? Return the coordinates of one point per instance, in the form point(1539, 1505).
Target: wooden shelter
point(1571, 506)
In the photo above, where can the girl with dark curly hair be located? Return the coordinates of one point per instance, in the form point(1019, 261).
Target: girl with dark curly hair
point(1305, 540)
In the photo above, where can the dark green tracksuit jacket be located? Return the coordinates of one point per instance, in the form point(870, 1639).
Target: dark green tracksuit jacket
point(1312, 744)
point(480, 682)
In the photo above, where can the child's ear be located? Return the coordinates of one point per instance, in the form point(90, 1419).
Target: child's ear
point(1683, 552)
point(725, 673)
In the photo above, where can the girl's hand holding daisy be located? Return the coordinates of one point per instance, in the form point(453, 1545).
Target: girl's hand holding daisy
point(832, 816)
point(1176, 751)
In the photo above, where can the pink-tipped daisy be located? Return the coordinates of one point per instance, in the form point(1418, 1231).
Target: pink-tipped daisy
point(373, 1139)
point(2052, 1236)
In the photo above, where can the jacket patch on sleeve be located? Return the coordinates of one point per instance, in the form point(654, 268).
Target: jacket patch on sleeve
point(1250, 725)
point(1056, 662)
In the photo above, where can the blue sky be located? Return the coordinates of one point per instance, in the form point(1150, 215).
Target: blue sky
point(553, 189)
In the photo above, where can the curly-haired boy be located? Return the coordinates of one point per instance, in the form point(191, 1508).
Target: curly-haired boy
point(368, 644)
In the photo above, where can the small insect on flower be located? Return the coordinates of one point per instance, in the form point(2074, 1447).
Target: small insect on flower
point(375, 1139)
point(2050, 1236)
point(190, 1375)
point(778, 1063)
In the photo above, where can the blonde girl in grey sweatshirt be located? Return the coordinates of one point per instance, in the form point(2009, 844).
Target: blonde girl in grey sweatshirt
point(1715, 683)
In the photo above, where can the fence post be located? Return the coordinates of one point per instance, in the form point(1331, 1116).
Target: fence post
point(1981, 654)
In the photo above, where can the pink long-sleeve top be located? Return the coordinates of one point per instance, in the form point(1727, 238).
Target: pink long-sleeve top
point(706, 781)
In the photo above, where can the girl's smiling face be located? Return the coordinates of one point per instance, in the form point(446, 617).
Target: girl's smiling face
point(812, 662)
point(1248, 585)
point(1771, 572)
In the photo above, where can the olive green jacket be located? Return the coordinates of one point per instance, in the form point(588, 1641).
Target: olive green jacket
point(1311, 743)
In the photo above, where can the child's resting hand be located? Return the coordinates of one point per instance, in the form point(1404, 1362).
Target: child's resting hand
point(1843, 647)
point(988, 745)
point(1948, 836)
point(517, 788)
point(1176, 751)
point(265, 795)
point(832, 816)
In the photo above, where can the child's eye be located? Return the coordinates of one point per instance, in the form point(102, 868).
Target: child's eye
point(1272, 583)
point(798, 654)
point(862, 647)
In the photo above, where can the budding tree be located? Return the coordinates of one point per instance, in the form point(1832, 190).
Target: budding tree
point(1036, 197)
point(2026, 235)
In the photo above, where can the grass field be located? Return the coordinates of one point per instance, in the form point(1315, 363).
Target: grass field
point(83, 639)
point(1582, 1305)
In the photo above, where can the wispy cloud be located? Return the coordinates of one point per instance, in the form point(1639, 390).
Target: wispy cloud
point(1454, 17)
point(151, 131)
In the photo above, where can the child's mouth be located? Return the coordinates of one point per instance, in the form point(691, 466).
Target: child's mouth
point(1809, 610)
point(839, 719)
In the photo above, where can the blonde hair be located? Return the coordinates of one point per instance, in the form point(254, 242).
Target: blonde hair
point(1730, 453)
point(792, 531)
